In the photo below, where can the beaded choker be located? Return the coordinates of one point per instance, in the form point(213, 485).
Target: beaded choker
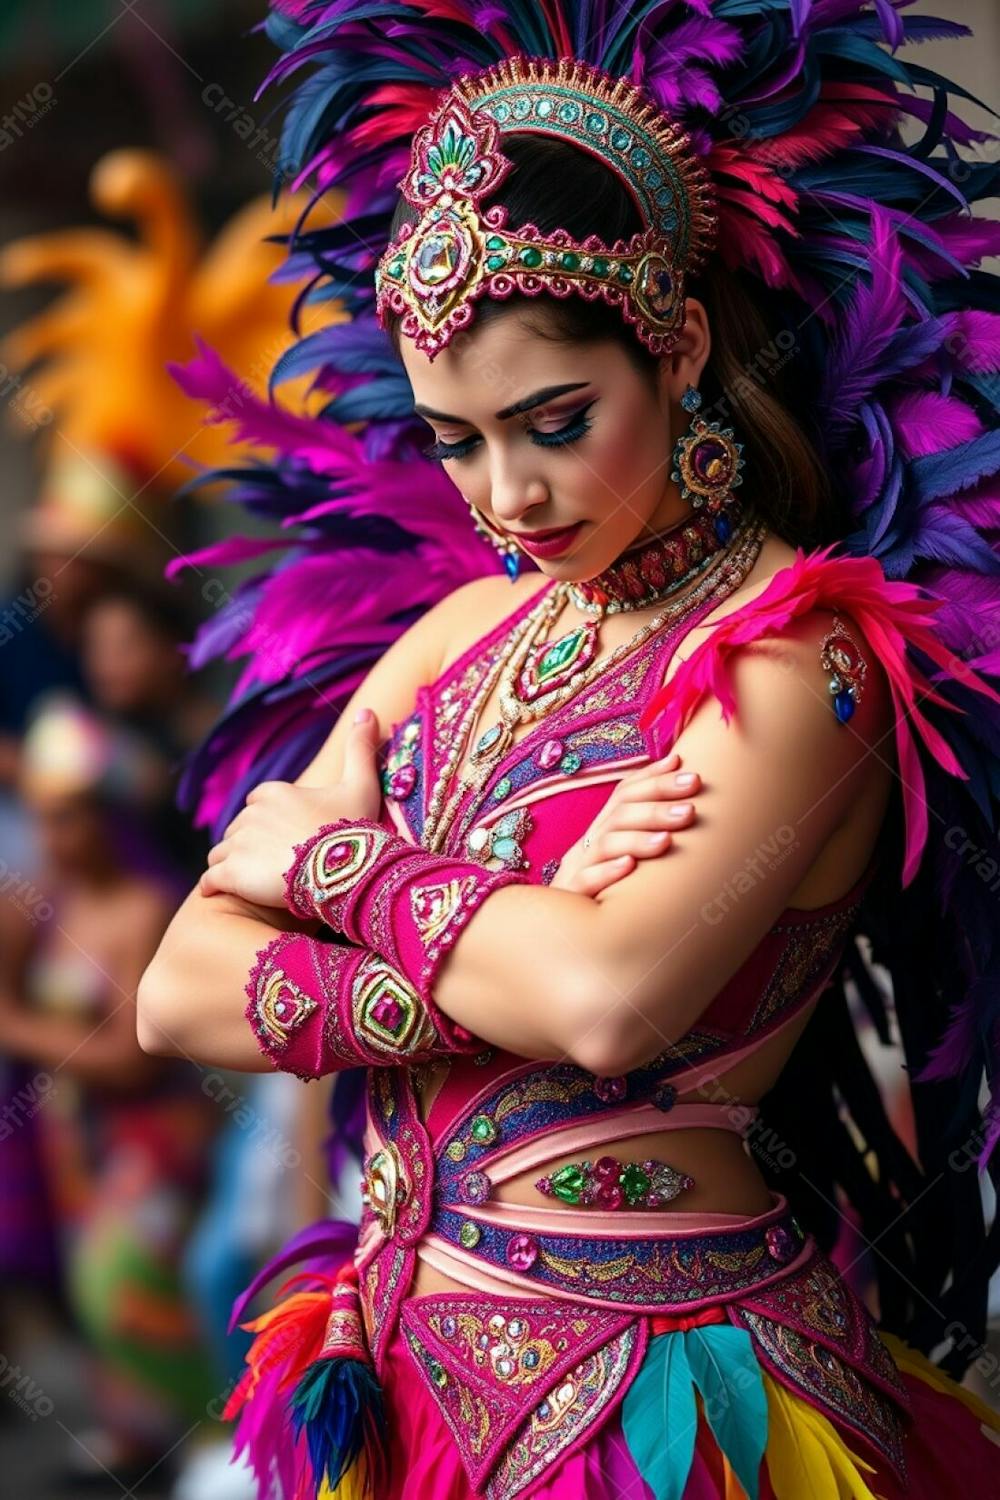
point(650, 570)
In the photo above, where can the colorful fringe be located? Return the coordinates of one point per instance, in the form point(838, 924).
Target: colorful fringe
point(703, 1420)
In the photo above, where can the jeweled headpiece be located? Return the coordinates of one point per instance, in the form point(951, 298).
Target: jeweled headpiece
point(436, 268)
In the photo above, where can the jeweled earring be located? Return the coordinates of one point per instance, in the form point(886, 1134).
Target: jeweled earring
point(509, 550)
point(707, 462)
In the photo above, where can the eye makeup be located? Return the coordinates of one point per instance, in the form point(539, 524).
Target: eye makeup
point(570, 433)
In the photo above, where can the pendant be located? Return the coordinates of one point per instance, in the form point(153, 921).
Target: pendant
point(550, 666)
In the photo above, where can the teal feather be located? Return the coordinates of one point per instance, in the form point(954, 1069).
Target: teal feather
point(727, 1373)
point(660, 1419)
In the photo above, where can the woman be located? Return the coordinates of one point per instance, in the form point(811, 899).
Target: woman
point(571, 1278)
point(122, 1136)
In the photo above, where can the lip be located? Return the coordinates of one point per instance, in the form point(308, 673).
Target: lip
point(548, 543)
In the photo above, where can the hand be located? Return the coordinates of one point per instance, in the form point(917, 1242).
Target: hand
point(633, 824)
point(256, 849)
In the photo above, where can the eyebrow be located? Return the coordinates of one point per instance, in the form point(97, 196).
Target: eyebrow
point(549, 393)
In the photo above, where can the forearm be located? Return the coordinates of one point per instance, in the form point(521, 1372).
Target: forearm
point(191, 998)
point(526, 975)
point(517, 965)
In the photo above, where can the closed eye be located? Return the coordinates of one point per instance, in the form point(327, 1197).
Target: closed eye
point(571, 433)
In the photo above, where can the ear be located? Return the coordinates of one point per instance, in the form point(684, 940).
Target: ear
point(683, 365)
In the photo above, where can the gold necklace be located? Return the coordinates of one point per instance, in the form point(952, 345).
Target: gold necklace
point(724, 574)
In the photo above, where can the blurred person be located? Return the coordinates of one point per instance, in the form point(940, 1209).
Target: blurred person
point(122, 1136)
point(133, 663)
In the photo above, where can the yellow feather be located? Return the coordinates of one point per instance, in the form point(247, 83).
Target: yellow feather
point(914, 1363)
point(805, 1453)
point(353, 1486)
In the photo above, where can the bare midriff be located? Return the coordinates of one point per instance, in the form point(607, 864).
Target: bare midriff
point(726, 1177)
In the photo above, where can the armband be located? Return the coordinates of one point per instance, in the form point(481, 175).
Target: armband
point(318, 1008)
point(386, 894)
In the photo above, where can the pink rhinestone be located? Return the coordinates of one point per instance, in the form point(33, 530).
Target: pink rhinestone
point(610, 1195)
point(388, 1012)
point(549, 754)
point(402, 782)
point(522, 1252)
point(610, 1090)
point(780, 1244)
point(338, 851)
point(607, 1169)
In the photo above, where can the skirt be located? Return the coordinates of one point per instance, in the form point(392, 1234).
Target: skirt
point(648, 1449)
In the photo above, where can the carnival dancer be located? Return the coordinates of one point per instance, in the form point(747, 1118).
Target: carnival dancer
point(695, 324)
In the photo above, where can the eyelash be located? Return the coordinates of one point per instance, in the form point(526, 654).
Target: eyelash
point(571, 433)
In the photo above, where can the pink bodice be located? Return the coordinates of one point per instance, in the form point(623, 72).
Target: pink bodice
point(547, 790)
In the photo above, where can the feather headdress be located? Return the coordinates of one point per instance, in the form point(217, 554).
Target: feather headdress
point(847, 194)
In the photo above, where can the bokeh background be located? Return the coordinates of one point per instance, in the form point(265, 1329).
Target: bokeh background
point(138, 1195)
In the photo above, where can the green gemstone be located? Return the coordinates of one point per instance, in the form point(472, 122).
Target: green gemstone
point(494, 242)
point(570, 762)
point(600, 266)
point(469, 1235)
point(564, 651)
point(568, 1183)
point(626, 274)
point(455, 1151)
point(569, 260)
point(495, 262)
point(506, 848)
point(437, 1372)
point(502, 787)
point(634, 1182)
point(529, 256)
point(396, 268)
point(483, 1130)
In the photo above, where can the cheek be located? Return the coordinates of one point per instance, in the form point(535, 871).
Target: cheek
point(631, 459)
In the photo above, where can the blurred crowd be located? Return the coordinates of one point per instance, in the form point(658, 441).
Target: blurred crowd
point(138, 1194)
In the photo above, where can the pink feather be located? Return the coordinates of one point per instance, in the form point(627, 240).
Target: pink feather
point(927, 422)
point(889, 614)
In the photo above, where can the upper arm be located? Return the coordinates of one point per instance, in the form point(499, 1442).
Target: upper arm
point(777, 781)
point(390, 688)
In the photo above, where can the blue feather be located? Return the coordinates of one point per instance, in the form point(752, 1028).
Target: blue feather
point(956, 469)
point(340, 1405)
point(660, 1418)
point(727, 1373)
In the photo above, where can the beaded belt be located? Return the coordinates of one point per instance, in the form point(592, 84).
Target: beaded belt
point(649, 1264)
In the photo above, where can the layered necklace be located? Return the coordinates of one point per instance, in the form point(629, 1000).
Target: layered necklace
point(536, 673)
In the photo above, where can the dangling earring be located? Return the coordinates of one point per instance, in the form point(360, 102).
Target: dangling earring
point(707, 463)
point(508, 549)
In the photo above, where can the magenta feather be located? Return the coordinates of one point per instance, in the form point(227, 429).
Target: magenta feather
point(925, 422)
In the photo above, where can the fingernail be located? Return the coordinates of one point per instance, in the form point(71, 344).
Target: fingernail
point(361, 715)
point(685, 778)
point(680, 810)
point(652, 839)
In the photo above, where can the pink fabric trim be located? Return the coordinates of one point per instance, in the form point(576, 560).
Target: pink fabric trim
point(616, 1224)
point(647, 1120)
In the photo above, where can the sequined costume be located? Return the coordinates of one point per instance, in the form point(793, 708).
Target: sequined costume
point(593, 1354)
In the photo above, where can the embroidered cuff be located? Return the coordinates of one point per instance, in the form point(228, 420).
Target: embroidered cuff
point(317, 1008)
point(385, 893)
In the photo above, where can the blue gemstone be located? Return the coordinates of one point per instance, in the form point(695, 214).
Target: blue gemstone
point(665, 1096)
point(723, 528)
point(512, 562)
point(843, 705)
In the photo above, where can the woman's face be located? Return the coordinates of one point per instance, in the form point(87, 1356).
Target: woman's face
point(546, 435)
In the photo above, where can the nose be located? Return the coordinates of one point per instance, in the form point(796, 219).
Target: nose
point(515, 488)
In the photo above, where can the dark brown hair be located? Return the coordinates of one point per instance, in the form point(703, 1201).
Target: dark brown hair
point(750, 381)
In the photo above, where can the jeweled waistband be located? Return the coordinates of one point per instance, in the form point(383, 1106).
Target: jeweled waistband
point(658, 1266)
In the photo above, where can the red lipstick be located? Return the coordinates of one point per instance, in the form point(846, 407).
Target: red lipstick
point(549, 543)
